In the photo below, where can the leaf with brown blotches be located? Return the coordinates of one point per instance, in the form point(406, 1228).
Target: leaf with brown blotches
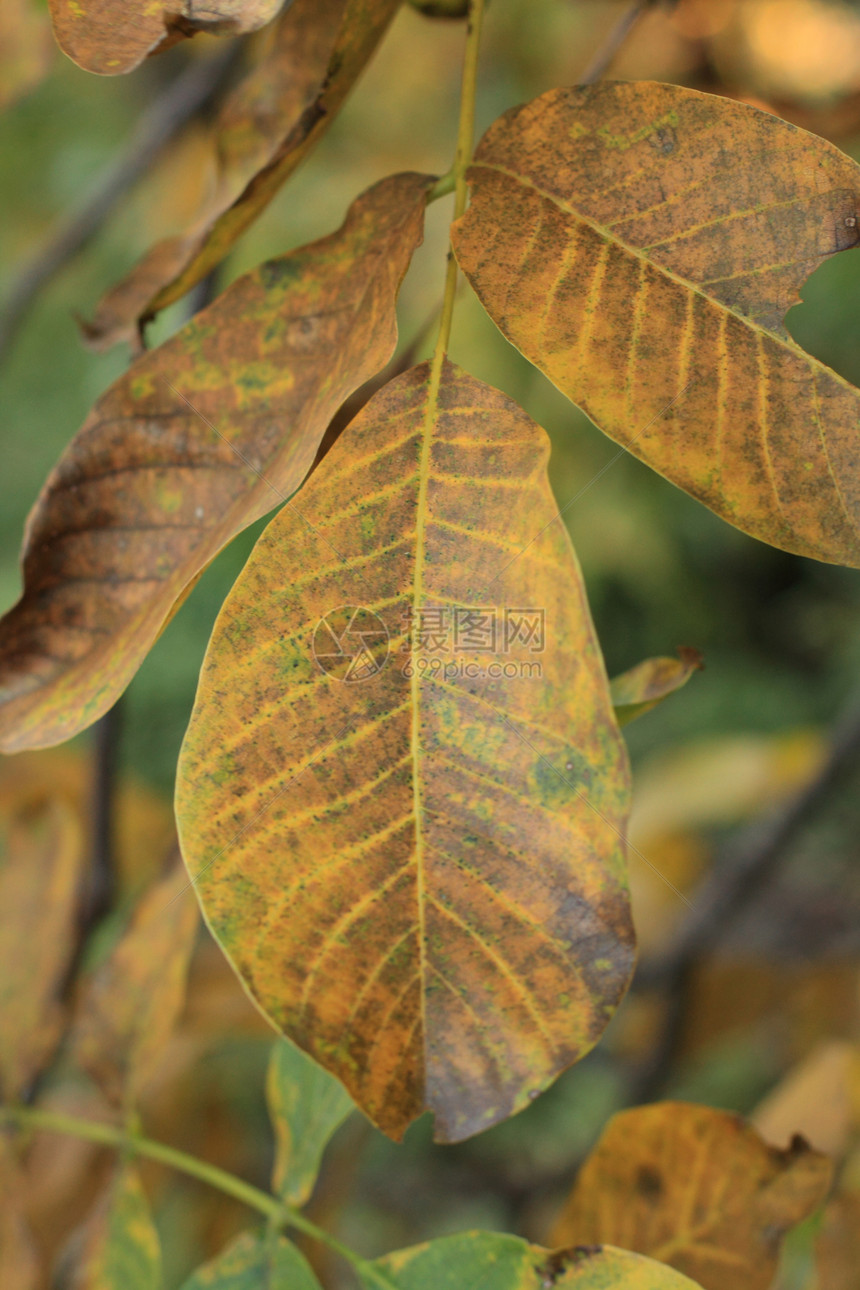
point(114, 36)
point(641, 244)
point(130, 1001)
point(417, 870)
point(120, 1248)
point(41, 865)
point(696, 1188)
point(200, 438)
point(265, 129)
point(640, 689)
point(493, 1261)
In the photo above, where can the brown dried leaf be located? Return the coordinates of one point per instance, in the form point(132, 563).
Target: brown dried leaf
point(114, 36)
point(265, 129)
point(19, 1263)
point(419, 876)
point(201, 437)
point(641, 244)
point(41, 855)
point(129, 1003)
point(695, 1188)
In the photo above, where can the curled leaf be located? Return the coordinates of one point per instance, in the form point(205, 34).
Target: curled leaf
point(264, 130)
point(640, 689)
point(641, 243)
point(200, 438)
point(696, 1188)
point(489, 1261)
point(306, 1105)
point(130, 1002)
point(416, 866)
point(114, 36)
point(41, 864)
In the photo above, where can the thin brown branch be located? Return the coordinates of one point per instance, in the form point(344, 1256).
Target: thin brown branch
point(735, 882)
point(611, 47)
point(187, 96)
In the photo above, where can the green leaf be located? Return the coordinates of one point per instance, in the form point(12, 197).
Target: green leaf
point(485, 1261)
point(640, 689)
point(254, 1262)
point(307, 1105)
point(402, 794)
point(120, 1249)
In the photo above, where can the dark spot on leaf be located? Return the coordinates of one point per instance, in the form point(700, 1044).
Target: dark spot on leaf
point(649, 1183)
point(553, 1268)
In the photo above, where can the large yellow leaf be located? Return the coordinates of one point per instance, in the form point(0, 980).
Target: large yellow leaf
point(201, 437)
point(41, 866)
point(696, 1188)
point(265, 129)
point(417, 870)
point(114, 36)
point(641, 244)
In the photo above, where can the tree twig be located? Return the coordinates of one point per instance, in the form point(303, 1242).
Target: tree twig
point(732, 886)
point(611, 47)
point(99, 896)
point(188, 95)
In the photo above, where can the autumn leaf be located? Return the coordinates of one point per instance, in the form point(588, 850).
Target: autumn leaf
point(255, 1263)
point(114, 36)
point(201, 437)
point(26, 48)
point(120, 1248)
point(696, 1188)
point(488, 1261)
point(130, 1001)
point(265, 129)
point(19, 1263)
point(418, 873)
point(640, 689)
point(641, 243)
point(306, 1105)
point(41, 864)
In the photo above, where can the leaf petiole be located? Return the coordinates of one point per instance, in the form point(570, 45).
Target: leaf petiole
point(108, 1135)
point(456, 177)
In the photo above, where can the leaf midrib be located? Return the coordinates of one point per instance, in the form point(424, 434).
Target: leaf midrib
point(429, 420)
